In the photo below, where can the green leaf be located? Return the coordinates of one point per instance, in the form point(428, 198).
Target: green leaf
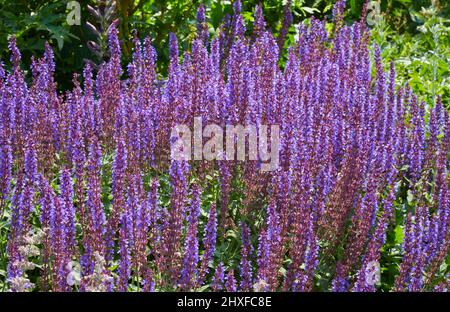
point(310, 10)
point(203, 288)
point(399, 234)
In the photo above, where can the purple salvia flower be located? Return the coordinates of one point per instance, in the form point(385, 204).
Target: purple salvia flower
point(259, 25)
point(190, 260)
point(217, 283)
point(263, 260)
point(172, 234)
point(225, 184)
point(202, 27)
point(114, 44)
point(95, 218)
point(139, 241)
point(47, 205)
point(59, 248)
point(311, 261)
point(432, 143)
point(418, 253)
point(153, 213)
point(238, 26)
point(275, 245)
point(30, 163)
point(118, 201)
point(66, 199)
point(150, 220)
point(287, 22)
point(125, 235)
point(245, 265)
point(173, 48)
point(443, 199)
point(94, 204)
point(6, 165)
point(230, 282)
point(2, 74)
point(404, 277)
point(338, 14)
point(209, 243)
point(373, 253)
point(15, 53)
point(14, 270)
point(340, 282)
point(47, 218)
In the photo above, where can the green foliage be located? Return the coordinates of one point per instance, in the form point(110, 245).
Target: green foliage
point(34, 23)
point(422, 58)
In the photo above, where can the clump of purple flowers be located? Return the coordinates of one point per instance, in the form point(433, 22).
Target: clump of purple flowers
point(360, 158)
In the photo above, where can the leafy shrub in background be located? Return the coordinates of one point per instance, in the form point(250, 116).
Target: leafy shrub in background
point(35, 22)
point(86, 177)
